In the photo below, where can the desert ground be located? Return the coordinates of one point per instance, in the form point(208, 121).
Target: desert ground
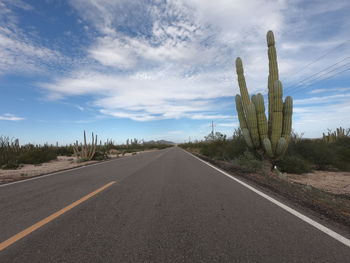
point(334, 182)
point(60, 164)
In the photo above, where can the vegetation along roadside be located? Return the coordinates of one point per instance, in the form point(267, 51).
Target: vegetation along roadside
point(265, 150)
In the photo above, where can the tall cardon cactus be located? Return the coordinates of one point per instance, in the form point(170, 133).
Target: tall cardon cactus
point(270, 135)
point(87, 151)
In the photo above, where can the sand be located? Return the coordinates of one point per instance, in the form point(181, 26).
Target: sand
point(62, 163)
point(334, 182)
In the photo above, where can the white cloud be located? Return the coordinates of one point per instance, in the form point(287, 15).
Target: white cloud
point(21, 50)
point(175, 59)
point(10, 117)
point(317, 119)
point(18, 54)
point(316, 91)
point(331, 99)
point(229, 124)
point(147, 96)
point(172, 59)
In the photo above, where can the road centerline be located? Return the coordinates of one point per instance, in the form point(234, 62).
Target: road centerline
point(27, 231)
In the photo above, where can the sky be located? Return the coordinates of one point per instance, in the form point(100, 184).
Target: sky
point(156, 69)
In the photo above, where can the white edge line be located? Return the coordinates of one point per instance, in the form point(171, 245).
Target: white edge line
point(53, 173)
point(306, 219)
point(64, 171)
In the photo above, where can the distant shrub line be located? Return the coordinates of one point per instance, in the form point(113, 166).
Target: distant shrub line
point(302, 155)
point(12, 155)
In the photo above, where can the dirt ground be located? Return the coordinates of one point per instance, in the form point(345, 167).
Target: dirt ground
point(62, 163)
point(334, 182)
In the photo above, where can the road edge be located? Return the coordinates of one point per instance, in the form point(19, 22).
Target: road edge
point(68, 169)
point(290, 210)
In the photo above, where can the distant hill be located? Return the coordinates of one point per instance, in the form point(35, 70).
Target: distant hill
point(160, 142)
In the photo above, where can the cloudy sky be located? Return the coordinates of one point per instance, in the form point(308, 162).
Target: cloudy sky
point(157, 69)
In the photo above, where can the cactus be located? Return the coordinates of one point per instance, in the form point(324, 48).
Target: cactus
point(87, 151)
point(337, 134)
point(269, 136)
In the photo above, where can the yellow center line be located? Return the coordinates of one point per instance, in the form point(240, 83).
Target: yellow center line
point(50, 218)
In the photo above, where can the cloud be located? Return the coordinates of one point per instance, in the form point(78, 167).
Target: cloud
point(147, 96)
point(159, 59)
point(21, 50)
point(229, 124)
point(331, 99)
point(168, 59)
point(316, 91)
point(10, 117)
point(317, 119)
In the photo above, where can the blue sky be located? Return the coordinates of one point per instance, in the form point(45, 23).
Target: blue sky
point(159, 69)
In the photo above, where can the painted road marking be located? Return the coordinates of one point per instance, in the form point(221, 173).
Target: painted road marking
point(70, 169)
point(64, 171)
point(306, 219)
point(50, 218)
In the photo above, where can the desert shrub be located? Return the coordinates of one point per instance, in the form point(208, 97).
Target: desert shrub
point(223, 150)
point(64, 151)
point(316, 152)
point(294, 164)
point(218, 147)
point(249, 161)
point(10, 165)
point(100, 155)
point(9, 150)
point(322, 155)
point(36, 155)
point(213, 149)
point(303, 155)
point(236, 147)
point(342, 147)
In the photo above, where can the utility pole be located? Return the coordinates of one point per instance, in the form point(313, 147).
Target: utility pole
point(212, 129)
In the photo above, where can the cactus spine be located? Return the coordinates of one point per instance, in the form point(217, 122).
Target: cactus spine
point(269, 136)
point(87, 151)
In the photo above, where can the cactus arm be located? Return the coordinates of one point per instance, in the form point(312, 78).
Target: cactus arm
point(240, 112)
point(84, 148)
point(247, 138)
point(258, 101)
point(272, 55)
point(287, 118)
point(242, 84)
point(94, 148)
point(273, 75)
point(277, 115)
point(76, 149)
point(267, 147)
point(252, 123)
point(281, 147)
point(90, 147)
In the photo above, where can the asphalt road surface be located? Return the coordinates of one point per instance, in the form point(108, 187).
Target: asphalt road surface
point(166, 206)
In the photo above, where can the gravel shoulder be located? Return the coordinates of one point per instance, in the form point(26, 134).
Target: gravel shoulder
point(60, 164)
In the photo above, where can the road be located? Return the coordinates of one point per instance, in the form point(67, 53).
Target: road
point(166, 206)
